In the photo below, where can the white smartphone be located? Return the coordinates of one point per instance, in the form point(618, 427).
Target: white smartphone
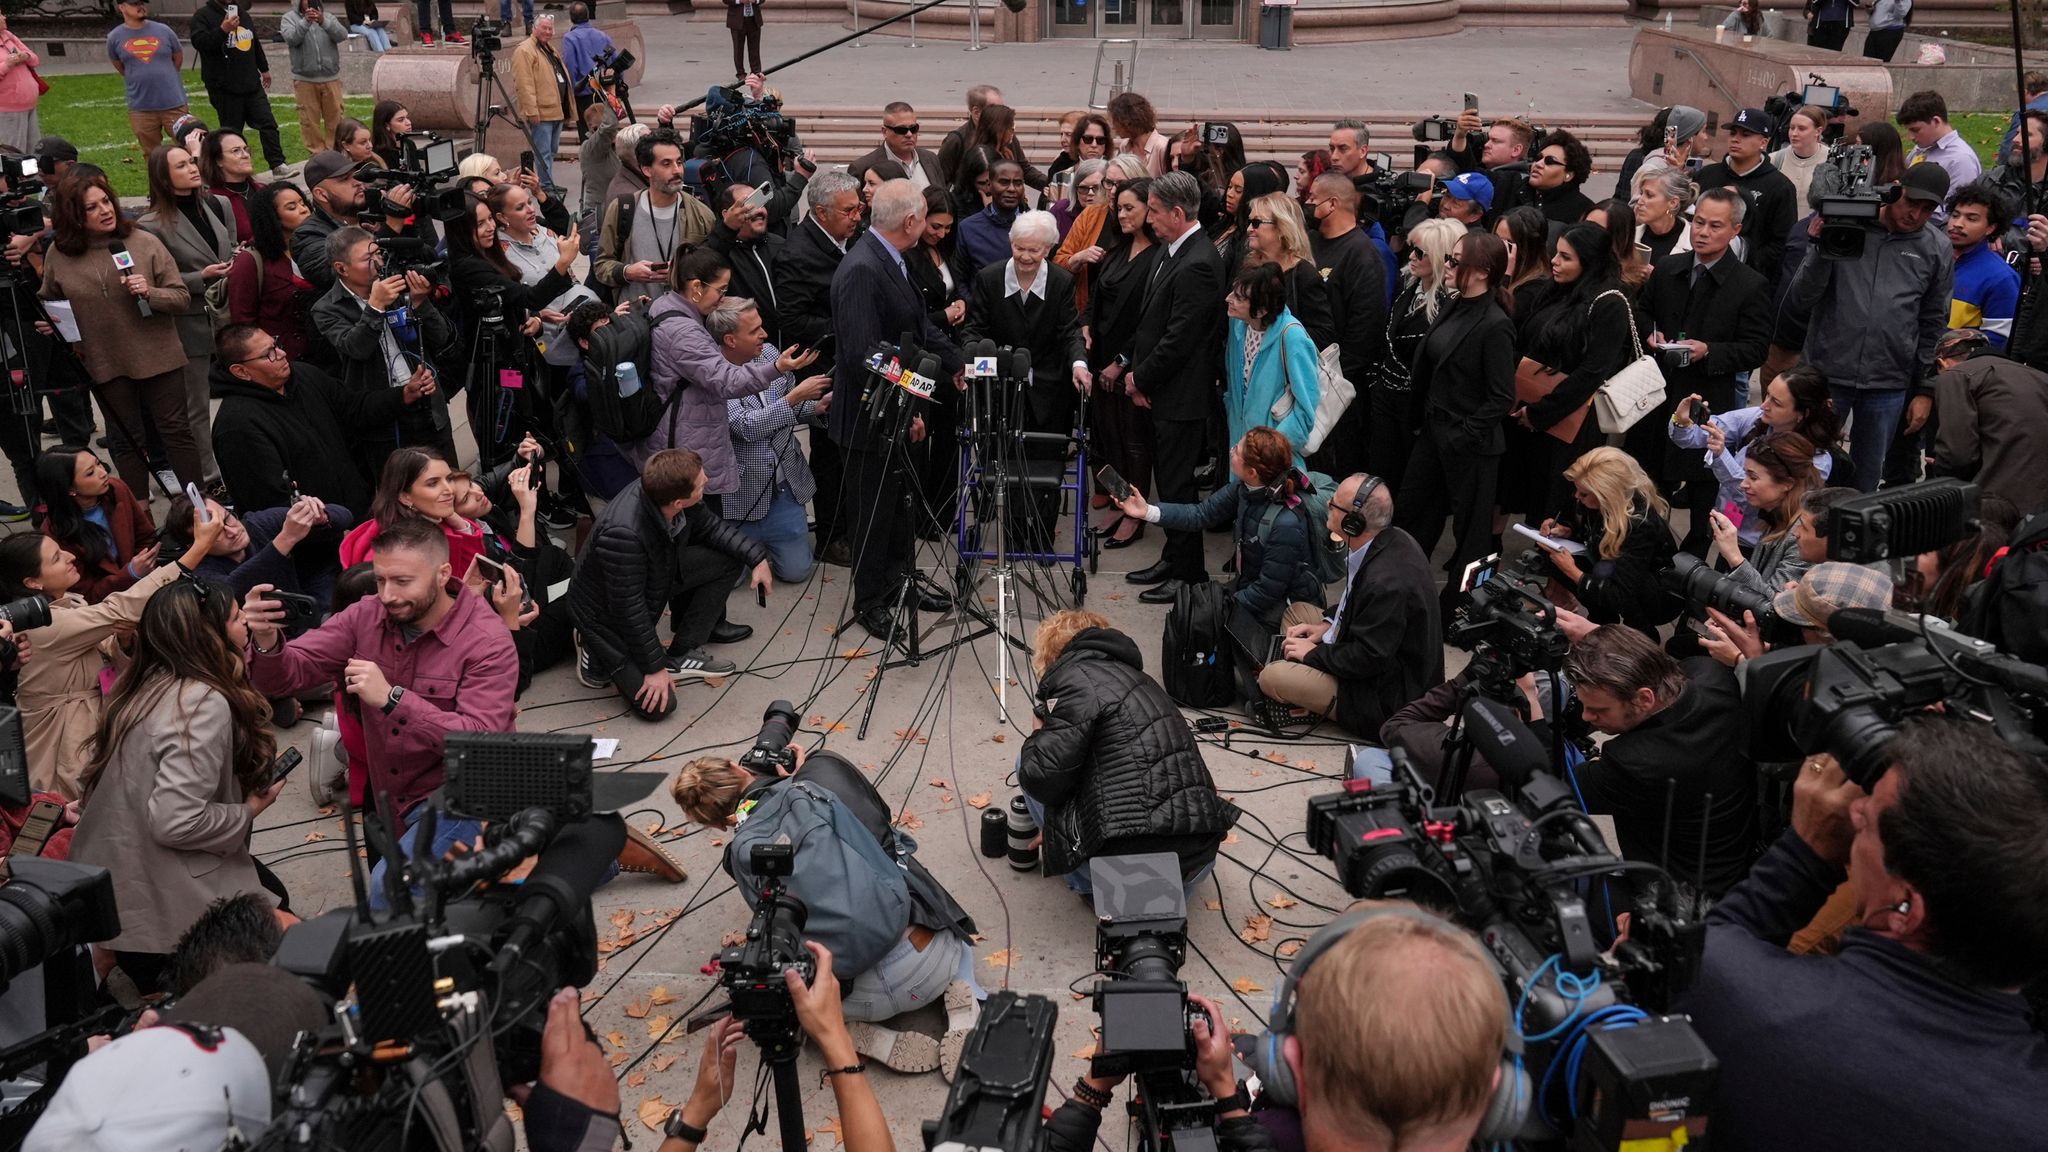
point(234, 10)
point(198, 500)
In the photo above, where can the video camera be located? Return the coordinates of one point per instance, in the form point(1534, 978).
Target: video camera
point(1507, 623)
point(48, 909)
point(21, 214)
point(1390, 194)
point(997, 1100)
point(1818, 93)
point(1141, 940)
point(771, 746)
point(1847, 217)
point(1513, 868)
point(730, 123)
point(486, 37)
point(397, 255)
point(751, 973)
point(1434, 129)
point(610, 67)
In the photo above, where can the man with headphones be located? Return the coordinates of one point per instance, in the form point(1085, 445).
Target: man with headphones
point(1383, 646)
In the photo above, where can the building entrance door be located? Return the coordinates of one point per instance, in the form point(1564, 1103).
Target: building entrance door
point(1154, 19)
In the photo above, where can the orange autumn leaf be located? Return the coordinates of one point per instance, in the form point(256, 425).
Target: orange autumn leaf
point(1087, 1053)
point(979, 800)
point(622, 919)
point(1000, 737)
point(636, 1079)
point(831, 1128)
point(1213, 905)
point(998, 959)
point(637, 1010)
point(1277, 757)
point(654, 1112)
point(910, 820)
point(615, 1039)
point(1230, 839)
point(1257, 929)
point(938, 784)
point(663, 1062)
point(734, 938)
point(1305, 765)
point(1287, 949)
point(1247, 985)
point(660, 996)
point(659, 1025)
point(854, 653)
point(1278, 900)
point(314, 836)
point(616, 1059)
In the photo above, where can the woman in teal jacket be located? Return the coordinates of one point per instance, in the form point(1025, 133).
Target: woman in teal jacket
point(1269, 361)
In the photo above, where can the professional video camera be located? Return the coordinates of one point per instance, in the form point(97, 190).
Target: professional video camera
point(440, 1002)
point(1389, 194)
point(1434, 129)
point(1848, 697)
point(771, 746)
point(609, 69)
point(486, 37)
point(48, 909)
point(1847, 216)
point(1507, 623)
point(1818, 93)
point(751, 973)
point(730, 123)
point(397, 255)
point(1512, 867)
point(997, 1100)
point(21, 214)
point(1141, 939)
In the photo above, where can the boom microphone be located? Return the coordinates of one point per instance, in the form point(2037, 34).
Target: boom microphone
point(564, 876)
point(1500, 737)
point(126, 265)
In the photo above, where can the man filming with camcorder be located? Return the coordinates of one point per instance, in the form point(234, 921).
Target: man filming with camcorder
point(853, 884)
point(1945, 855)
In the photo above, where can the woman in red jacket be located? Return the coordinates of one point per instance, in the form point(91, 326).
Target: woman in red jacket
point(95, 517)
point(415, 483)
point(264, 286)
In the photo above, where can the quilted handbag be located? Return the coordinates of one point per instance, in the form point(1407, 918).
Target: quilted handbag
point(1636, 390)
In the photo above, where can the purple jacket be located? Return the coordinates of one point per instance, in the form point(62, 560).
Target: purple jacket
point(686, 356)
point(459, 677)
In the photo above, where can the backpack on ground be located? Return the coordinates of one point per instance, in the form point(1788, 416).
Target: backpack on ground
point(1328, 563)
point(1197, 657)
point(858, 897)
point(628, 339)
point(2009, 607)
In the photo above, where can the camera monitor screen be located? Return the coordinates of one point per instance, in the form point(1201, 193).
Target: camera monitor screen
point(1825, 95)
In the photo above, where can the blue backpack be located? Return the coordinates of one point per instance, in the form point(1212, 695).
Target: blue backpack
point(857, 894)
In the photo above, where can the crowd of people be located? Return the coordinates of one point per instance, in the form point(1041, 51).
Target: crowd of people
point(274, 363)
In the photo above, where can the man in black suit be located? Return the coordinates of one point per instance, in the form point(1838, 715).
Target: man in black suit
point(803, 310)
point(899, 143)
point(1173, 371)
point(1383, 646)
point(742, 237)
point(874, 302)
point(954, 146)
point(1027, 303)
point(1713, 315)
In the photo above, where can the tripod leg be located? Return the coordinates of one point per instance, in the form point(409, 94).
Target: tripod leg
point(789, 1105)
point(905, 598)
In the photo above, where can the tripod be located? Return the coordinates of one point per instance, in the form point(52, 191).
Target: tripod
point(987, 431)
point(779, 1043)
point(487, 82)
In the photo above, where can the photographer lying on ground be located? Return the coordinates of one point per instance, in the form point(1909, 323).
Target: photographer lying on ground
point(1110, 767)
point(900, 939)
point(1950, 871)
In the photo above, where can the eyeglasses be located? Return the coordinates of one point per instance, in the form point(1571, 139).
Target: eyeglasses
point(853, 209)
point(1259, 222)
point(1417, 254)
point(1547, 158)
point(1451, 261)
point(903, 129)
point(1094, 139)
point(274, 352)
point(1091, 186)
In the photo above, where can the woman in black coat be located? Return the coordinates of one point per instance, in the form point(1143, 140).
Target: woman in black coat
point(1621, 520)
point(1123, 431)
point(500, 417)
point(1110, 768)
point(1582, 330)
point(1465, 369)
point(940, 272)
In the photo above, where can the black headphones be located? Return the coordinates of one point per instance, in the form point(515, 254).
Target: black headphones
point(1353, 523)
point(1513, 1095)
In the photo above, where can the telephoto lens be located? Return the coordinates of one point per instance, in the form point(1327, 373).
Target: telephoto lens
point(995, 832)
point(1023, 830)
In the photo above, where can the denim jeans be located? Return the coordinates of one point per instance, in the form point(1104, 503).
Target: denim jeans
point(1873, 418)
point(547, 138)
point(378, 39)
point(786, 533)
point(1077, 880)
point(906, 979)
point(505, 11)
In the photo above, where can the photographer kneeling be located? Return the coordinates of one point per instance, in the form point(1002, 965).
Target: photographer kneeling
point(1945, 857)
point(1110, 767)
point(860, 880)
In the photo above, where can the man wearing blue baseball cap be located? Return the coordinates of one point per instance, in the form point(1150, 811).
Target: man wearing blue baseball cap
point(1773, 201)
point(1467, 198)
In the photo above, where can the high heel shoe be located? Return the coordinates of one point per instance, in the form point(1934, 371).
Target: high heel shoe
point(1115, 541)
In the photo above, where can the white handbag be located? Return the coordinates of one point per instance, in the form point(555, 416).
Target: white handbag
point(1636, 390)
point(1334, 393)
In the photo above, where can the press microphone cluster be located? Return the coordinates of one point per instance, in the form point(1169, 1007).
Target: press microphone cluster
point(126, 264)
point(892, 386)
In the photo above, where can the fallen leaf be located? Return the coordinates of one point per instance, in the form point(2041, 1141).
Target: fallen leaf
point(616, 1059)
point(663, 1062)
point(1000, 737)
point(977, 937)
point(734, 938)
point(636, 1079)
point(590, 996)
point(655, 829)
point(1230, 839)
point(1277, 757)
point(998, 959)
point(327, 811)
point(314, 836)
point(831, 1128)
point(659, 1025)
point(979, 800)
point(654, 1112)
point(615, 1039)
point(938, 784)
point(637, 1010)
point(1287, 949)
point(1257, 930)
point(1078, 995)
point(1279, 900)
point(622, 919)
point(660, 996)
point(854, 653)
point(1246, 984)
point(1305, 765)
point(1087, 1053)
point(1255, 772)
point(909, 820)
point(1213, 905)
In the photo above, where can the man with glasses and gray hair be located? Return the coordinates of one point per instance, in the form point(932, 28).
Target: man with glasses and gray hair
point(803, 311)
point(875, 302)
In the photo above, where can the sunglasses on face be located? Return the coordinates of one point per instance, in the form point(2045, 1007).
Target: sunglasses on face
point(903, 129)
point(1547, 158)
point(1259, 222)
point(1094, 139)
point(1091, 186)
point(1451, 261)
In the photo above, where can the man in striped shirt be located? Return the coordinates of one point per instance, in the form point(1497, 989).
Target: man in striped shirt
point(1987, 291)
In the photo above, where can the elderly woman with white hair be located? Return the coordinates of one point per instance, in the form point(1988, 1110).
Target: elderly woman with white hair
point(1027, 303)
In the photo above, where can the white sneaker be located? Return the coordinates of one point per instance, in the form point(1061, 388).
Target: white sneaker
point(586, 672)
point(282, 172)
point(169, 480)
point(327, 775)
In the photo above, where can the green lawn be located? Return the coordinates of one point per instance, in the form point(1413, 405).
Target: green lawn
point(1981, 130)
point(90, 112)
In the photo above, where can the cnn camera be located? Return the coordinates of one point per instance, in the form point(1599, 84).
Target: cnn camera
point(771, 751)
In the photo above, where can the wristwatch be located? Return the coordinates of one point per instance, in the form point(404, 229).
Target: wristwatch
point(679, 1129)
point(391, 701)
point(1238, 1101)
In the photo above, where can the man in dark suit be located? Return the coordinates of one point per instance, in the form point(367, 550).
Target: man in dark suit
point(954, 146)
point(1383, 646)
point(742, 237)
point(1027, 303)
point(874, 302)
point(803, 310)
point(899, 143)
point(1718, 311)
point(1173, 371)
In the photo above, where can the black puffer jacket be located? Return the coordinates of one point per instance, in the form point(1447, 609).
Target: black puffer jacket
point(628, 571)
point(1115, 760)
point(1272, 572)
